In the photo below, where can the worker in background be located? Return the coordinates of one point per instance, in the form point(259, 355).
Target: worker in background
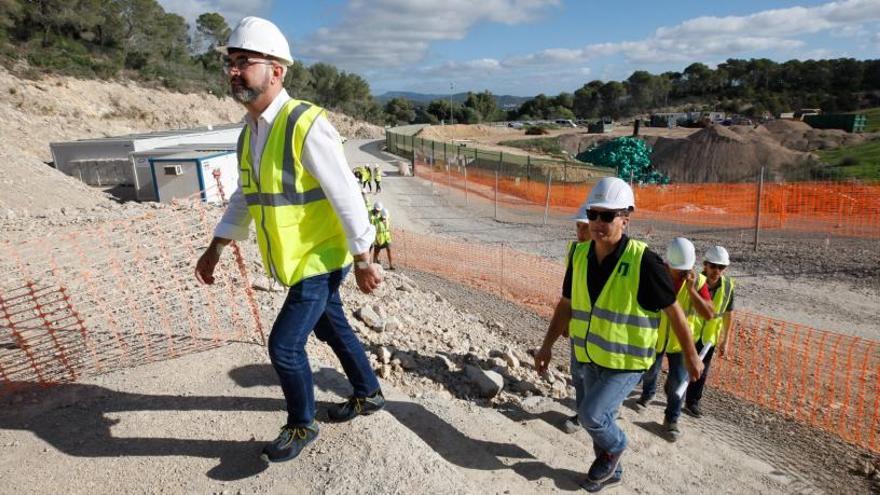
point(694, 299)
point(377, 177)
point(382, 223)
point(582, 232)
point(311, 226)
point(716, 328)
point(357, 176)
point(365, 177)
point(613, 293)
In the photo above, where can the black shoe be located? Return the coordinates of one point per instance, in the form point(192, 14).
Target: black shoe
point(693, 410)
point(672, 430)
point(593, 486)
point(355, 406)
point(290, 442)
point(642, 403)
point(604, 467)
point(571, 424)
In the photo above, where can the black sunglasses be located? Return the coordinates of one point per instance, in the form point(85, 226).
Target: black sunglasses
point(716, 265)
point(605, 216)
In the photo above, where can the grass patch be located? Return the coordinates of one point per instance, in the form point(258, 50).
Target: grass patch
point(860, 161)
point(547, 145)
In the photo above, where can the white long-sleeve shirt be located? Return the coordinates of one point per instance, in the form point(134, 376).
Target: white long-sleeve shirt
point(322, 157)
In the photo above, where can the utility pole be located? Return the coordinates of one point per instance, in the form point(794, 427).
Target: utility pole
point(451, 111)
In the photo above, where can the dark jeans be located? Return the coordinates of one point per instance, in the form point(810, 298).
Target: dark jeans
point(695, 389)
point(314, 303)
point(677, 375)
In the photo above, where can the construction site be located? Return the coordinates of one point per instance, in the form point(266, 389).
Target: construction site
point(120, 373)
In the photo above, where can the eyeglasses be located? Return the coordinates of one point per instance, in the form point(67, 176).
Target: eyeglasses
point(716, 265)
point(241, 64)
point(605, 216)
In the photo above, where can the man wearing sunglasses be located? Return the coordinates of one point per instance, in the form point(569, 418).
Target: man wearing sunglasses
point(693, 297)
point(296, 186)
point(613, 293)
point(711, 330)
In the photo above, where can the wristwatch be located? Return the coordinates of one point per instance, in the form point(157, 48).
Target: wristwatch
point(361, 265)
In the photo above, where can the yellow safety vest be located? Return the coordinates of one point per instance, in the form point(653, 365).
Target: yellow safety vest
point(377, 175)
point(667, 340)
point(708, 330)
point(617, 333)
point(298, 232)
point(365, 174)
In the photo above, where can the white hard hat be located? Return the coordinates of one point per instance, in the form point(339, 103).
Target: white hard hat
point(255, 34)
point(377, 206)
point(384, 213)
point(611, 193)
point(717, 255)
point(680, 254)
point(581, 215)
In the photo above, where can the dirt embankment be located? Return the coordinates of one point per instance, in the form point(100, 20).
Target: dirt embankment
point(34, 113)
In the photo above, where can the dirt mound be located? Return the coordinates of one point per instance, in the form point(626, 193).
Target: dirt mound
point(35, 113)
point(462, 131)
point(722, 154)
point(800, 136)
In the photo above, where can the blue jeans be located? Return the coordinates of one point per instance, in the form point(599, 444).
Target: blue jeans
point(677, 375)
point(603, 392)
point(314, 303)
point(577, 380)
point(695, 389)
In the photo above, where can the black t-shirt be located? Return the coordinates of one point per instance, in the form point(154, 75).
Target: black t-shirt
point(655, 285)
point(730, 302)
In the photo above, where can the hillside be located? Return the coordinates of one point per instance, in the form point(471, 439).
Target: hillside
point(34, 113)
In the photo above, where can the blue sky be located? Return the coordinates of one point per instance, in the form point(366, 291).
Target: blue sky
point(526, 47)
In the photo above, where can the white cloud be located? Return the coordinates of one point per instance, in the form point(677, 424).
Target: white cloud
point(391, 33)
point(231, 10)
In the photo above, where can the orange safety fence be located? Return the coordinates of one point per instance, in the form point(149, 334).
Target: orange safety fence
point(833, 208)
point(822, 379)
point(117, 294)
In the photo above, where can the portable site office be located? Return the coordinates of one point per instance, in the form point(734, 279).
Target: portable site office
point(185, 174)
point(106, 161)
point(144, 187)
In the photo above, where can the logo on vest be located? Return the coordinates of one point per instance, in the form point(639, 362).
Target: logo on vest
point(623, 269)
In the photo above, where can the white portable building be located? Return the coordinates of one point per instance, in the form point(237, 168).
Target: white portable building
point(189, 173)
point(105, 161)
point(141, 171)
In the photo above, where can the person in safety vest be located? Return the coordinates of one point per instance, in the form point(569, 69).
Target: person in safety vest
point(382, 223)
point(693, 297)
point(377, 177)
point(613, 294)
point(715, 329)
point(295, 184)
point(582, 232)
point(365, 177)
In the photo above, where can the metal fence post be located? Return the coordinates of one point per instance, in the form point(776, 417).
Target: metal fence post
point(501, 272)
point(547, 201)
point(496, 195)
point(758, 207)
point(528, 167)
point(466, 201)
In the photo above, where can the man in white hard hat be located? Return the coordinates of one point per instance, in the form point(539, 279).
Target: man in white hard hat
point(311, 223)
point(693, 297)
point(614, 291)
point(715, 329)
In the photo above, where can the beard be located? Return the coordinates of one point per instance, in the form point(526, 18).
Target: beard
point(244, 93)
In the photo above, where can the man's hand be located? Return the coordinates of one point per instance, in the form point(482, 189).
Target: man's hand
point(368, 279)
point(209, 259)
point(542, 359)
point(690, 279)
point(694, 365)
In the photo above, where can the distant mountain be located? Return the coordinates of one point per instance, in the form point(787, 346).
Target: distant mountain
point(504, 101)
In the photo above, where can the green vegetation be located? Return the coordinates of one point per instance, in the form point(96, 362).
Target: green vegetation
point(873, 115)
point(860, 161)
point(548, 145)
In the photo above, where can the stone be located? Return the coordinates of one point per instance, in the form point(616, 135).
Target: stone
point(392, 324)
point(405, 287)
point(384, 355)
point(536, 404)
point(264, 283)
point(496, 325)
point(384, 371)
point(524, 387)
point(369, 317)
point(489, 383)
point(511, 360)
point(406, 361)
point(497, 362)
point(380, 310)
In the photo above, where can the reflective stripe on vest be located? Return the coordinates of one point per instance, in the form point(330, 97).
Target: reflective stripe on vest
point(616, 333)
point(298, 232)
point(667, 340)
point(709, 329)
